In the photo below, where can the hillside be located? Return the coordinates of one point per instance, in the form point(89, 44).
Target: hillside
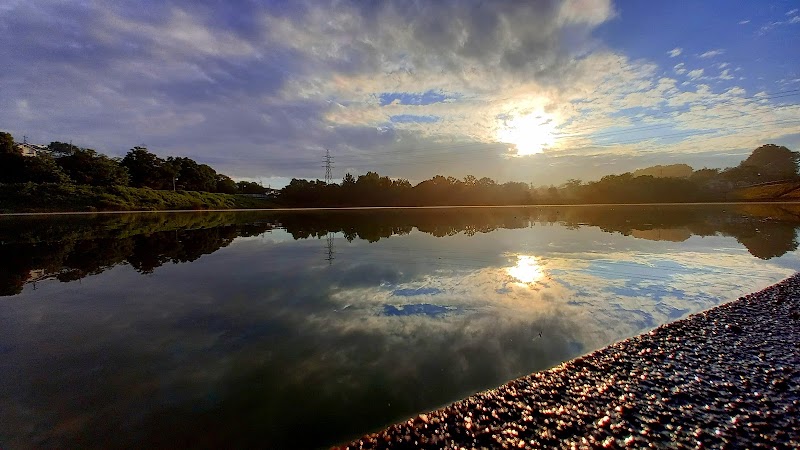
point(779, 190)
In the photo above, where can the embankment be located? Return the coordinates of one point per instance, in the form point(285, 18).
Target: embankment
point(31, 197)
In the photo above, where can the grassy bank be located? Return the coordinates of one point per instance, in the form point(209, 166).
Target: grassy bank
point(31, 197)
point(780, 191)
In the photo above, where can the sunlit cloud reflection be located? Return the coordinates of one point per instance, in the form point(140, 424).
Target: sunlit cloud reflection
point(527, 271)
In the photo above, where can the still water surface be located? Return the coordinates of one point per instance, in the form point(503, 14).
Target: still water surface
point(305, 329)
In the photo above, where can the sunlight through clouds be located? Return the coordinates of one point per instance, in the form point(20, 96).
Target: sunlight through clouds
point(384, 84)
point(529, 134)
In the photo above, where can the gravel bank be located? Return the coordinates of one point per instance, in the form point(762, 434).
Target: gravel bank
point(725, 378)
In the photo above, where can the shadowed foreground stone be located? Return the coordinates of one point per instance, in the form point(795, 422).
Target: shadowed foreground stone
point(725, 378)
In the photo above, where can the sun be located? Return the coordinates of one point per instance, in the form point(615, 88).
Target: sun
point(529, 134)
point(527, 271)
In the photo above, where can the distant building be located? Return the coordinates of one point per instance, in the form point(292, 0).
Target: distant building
point(31, 149)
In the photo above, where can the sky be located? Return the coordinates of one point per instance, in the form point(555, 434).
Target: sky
point(538, 91)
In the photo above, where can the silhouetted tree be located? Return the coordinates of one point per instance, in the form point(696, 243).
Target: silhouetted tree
point(193, 176)
point(669, 171)
point(86, 166)
point(771, 163)
point(249, 187)
point(16, 168)
point(225, 184)
point(61, 148)
point(146, 169)
point(7, 144)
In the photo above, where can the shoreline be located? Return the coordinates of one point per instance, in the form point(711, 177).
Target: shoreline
point(356, 208)
point(726, 376)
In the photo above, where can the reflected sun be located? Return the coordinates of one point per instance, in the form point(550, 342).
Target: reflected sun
point(528, 269)
point(529, 134)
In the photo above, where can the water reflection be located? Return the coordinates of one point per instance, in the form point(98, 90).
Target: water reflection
point(304, 329)
point(35, 248)
point(527, 270)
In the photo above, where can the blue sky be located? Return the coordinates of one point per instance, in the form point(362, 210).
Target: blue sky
point(534, 91)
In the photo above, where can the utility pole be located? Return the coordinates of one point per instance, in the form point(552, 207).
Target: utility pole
point(328, 160)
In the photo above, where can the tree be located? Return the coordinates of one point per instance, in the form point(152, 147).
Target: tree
point(146, 169)
point(171, 169)
point(190, 175)
point(771, 163)
point(572, 189)
point(671, 170)
point(86, 166)
point(7, 144)
point(61, 148)
point(249, 187)
point(225, 184)
point(15, 168)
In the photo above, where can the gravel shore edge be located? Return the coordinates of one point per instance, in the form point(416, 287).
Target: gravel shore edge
point(728, 377)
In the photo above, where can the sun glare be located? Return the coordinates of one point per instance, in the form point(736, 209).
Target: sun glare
point(529, 134)
point(527, 271)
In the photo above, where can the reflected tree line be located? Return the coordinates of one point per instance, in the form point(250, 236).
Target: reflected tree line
point(74, 247)
point(767, 231)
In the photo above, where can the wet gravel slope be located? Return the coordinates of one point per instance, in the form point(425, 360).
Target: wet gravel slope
point(725, 378)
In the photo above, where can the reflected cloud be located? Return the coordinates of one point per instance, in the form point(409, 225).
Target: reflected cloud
point(417, 291)
point(424, 309)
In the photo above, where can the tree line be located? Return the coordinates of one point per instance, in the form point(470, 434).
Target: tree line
point(658, 184)
point(138, 168)
point(141, 168)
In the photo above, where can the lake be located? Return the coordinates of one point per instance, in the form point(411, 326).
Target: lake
point(305, 329)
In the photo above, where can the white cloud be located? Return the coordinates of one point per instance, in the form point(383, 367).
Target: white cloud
point(725, 75)
point(793, 20)
point(792, 12)
point(711, 53)
point(679, 68)
point(695, 74)
point(744, 22)
point(675, 52)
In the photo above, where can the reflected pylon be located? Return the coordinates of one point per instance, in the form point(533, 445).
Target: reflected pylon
point(329, 250)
